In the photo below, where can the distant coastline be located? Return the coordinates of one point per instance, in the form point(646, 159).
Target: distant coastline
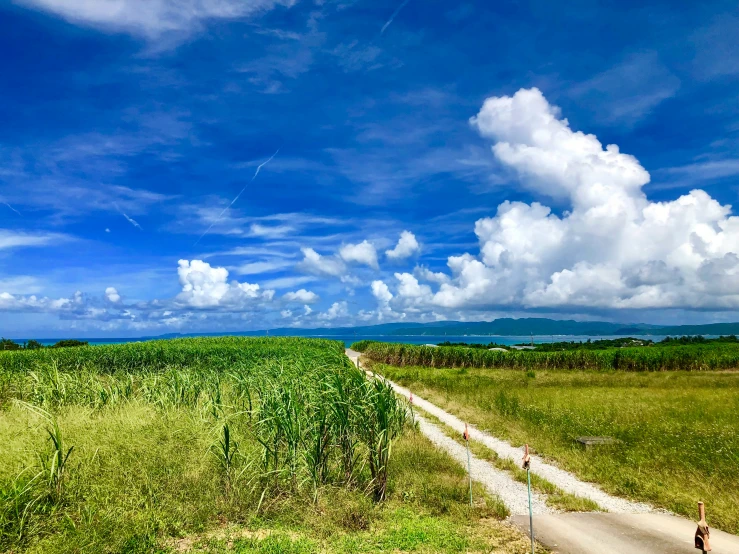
point(348, 339)
point(519, 330)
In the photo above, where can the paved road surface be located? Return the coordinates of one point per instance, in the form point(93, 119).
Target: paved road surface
point(654, 533)
point(629, 531)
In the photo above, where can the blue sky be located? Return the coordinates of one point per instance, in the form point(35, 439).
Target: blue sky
point(427, 160)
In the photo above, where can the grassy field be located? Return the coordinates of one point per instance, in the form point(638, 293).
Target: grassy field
point(678, 431)
point(223, 445)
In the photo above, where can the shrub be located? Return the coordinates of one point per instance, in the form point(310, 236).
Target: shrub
point(69, 343)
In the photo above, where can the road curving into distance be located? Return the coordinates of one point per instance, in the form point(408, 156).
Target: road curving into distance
point(628, 526)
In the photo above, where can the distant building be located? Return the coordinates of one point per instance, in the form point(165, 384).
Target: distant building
point(516, 347)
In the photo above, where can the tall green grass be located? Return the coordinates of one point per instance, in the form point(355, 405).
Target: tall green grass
point(361, 345)
point(690, 358)
point(285, 415)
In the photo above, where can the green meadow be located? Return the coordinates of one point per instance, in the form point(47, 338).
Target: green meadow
point(223, 445)
point(677, 431)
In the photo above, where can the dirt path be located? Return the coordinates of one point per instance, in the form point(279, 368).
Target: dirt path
point(562, 479)
point(629, 527)
point(497, 482)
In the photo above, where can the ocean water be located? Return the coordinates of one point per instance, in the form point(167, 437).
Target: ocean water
point(482, 339)
point(420, 339)
point(93, 342)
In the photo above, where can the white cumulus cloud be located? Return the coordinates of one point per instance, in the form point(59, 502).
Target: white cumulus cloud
point(204, 286)
point(381, 292)
point(406, 247)
point(112, 295)
point(337, 310)
point(425, 274)
point(316, 264)
point(613, 247)
point(302, 296)
point(362, 253)
point(11, 302)
point(79, 306)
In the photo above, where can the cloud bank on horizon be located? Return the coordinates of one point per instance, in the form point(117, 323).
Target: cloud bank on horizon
point(431, 213)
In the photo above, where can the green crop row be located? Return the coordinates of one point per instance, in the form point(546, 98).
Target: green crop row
point(361, 345)
point(217, 353)
point(690, 358)
point(287, 413)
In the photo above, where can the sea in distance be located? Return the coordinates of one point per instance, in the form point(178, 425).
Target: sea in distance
point(418, 339)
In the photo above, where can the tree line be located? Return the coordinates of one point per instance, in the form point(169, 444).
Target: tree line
point(7, 344)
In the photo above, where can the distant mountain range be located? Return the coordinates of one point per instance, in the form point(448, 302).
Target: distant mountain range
point(503, 327)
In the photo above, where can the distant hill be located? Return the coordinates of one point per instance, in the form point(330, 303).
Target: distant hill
point(504, 327)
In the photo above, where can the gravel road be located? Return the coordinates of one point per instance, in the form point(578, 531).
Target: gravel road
point(497, 482)
point(559, 477)
point(562, 479)
point(631, 527)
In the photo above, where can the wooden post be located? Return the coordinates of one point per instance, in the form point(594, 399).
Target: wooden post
point(702, 534)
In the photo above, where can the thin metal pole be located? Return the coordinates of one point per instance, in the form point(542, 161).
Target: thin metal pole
point(466, 436)
point(469, 469)
point(531, 512)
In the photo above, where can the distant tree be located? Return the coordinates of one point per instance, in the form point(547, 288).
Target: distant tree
point(7, 344)
point(68, 343)
point(473, 345)
point(697, 339)
point(33, 345)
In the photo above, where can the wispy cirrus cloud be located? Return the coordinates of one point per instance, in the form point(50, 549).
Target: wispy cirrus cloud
point(10, 207)
point(193, 219)
point(72, 201)
point(77, 174)
point(236, 198)
point(717, 48)
point(19, 239)
point(627, 92)
point(392, 17)
point(152, 18)
point(131, 220)
point(21, 284)
point(260, 267)
point(289, 281)
point(696, 173)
